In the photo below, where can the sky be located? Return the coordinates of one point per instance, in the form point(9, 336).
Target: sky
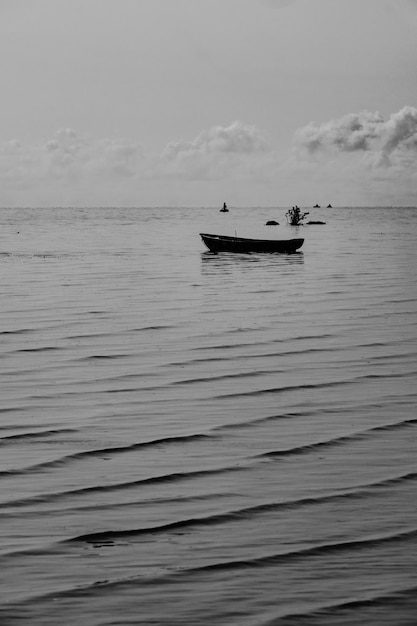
point(197, 102)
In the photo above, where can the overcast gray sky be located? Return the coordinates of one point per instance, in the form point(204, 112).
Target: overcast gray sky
point(196, 102)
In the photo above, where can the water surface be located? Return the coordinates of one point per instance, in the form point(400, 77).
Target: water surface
point(188, 438)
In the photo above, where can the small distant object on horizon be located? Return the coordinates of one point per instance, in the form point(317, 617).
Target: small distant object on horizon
point(329, 206)
point(224, 209)
point(316, 206)
point(271, 223)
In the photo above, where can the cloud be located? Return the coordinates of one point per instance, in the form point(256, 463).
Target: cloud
point(361, 153)
point(70, 164)
point(360, 158)
point(237, 138)
point(401, 130)
point(347, 134)
point(214, 153)
point(390, 142)
point(69, 156)
point(69, 168)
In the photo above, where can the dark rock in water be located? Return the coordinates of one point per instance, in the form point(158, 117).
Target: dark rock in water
point(272, 223)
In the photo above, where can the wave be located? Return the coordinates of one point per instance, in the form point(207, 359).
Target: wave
point(317, 386)
point(274, 390)
point(394, 357)
point(76, 456)
point(132, 484)
point(394, 425)
point(43, 256)
point(152, 327)
point(124, 504)
point(102, 357)
point(395, 343)
point(363, 490)
point(243, 513)
point(309, 413)
point(259, 420)
point(18, 331)
point(181, 439)
point(90, 335)
point(247, 564)
point(232, 346)
point(243, 357)
point(205, 379)
point(33, 435)
point(39, 349)
point(10, 409)
point(336, 441)
point(389, 375)
point(335, 610)
point(315, 551)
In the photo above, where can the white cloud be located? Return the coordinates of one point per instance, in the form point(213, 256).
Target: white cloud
point(363, 151)
point(74, 168)
point(401, 131)
point(360, 158)
point(68, 157)
point(236, 138)
point(390, 142)
point(68, 168)
point(68, 154)
point(214, 154)
point(352, 132)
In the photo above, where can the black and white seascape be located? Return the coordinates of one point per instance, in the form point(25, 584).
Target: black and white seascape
point(197, 439)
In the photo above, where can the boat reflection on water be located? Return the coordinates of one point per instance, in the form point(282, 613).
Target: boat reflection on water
point(228, 262)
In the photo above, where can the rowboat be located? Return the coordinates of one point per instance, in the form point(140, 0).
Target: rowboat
point(224, 243)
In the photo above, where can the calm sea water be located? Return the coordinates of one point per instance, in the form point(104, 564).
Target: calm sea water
point(198, 439)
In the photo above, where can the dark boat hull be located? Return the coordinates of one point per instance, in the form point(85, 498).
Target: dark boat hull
point(223, 243)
